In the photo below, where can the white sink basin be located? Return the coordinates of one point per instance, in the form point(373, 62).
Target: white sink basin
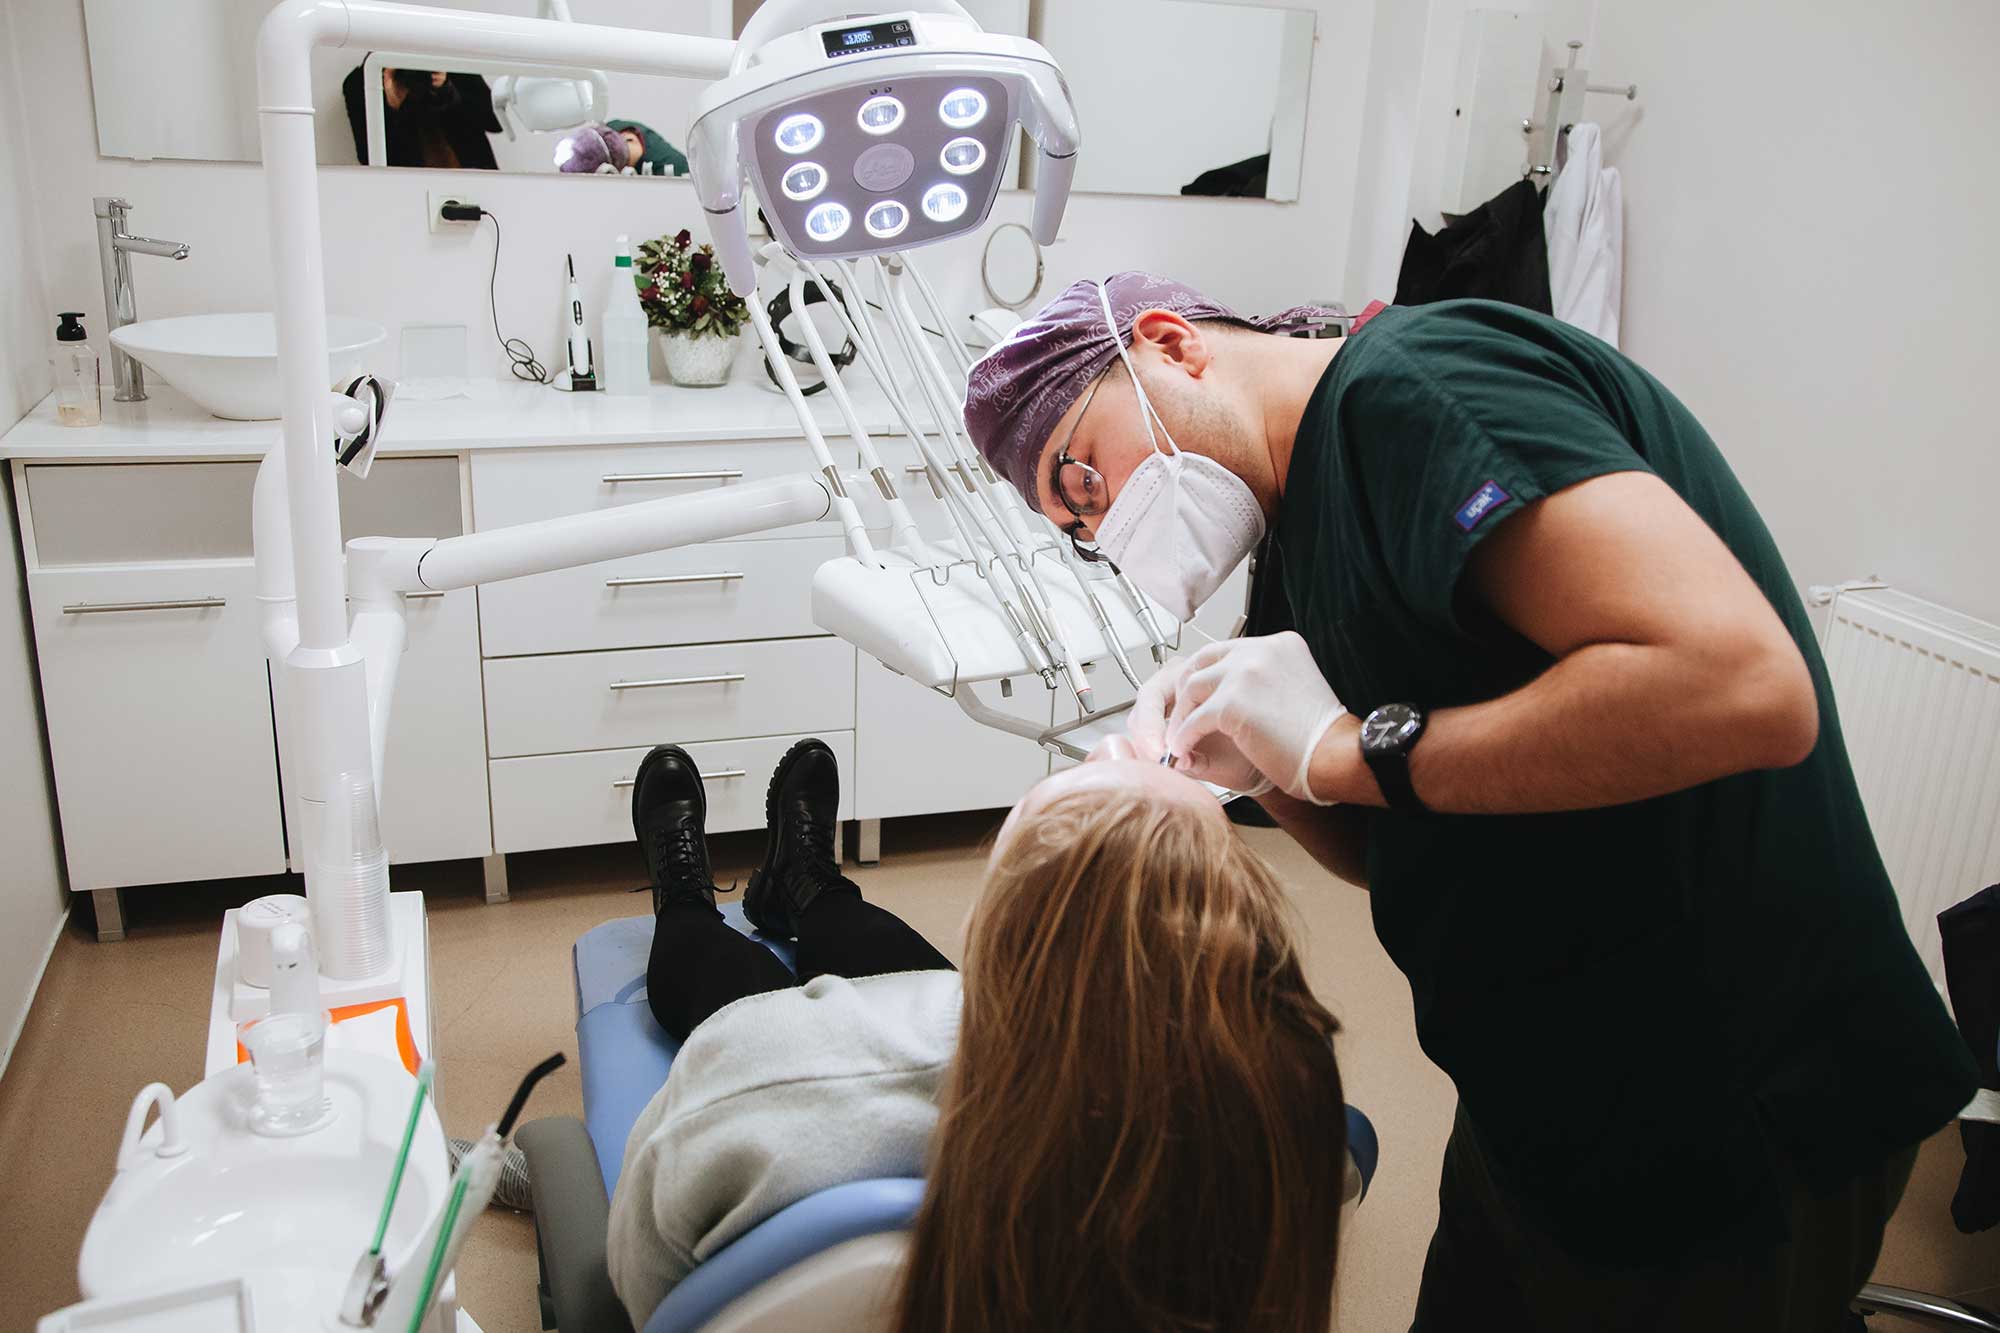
point(229, 363)
point(237, 1203)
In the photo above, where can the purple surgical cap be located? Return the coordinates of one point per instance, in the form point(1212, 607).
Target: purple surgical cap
point(1021, 388)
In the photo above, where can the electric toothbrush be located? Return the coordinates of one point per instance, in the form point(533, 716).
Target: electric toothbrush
point(582, 375)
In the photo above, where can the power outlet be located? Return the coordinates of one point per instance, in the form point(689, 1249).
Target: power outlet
point(435, 201)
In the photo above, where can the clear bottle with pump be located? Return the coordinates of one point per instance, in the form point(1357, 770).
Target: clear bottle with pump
point(79, 399)
point(624, 351)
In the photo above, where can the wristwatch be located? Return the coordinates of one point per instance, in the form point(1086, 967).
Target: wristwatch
point(1387, 736)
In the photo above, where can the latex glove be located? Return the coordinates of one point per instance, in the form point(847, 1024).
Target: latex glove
point(1216, 760)
point(1262, 699)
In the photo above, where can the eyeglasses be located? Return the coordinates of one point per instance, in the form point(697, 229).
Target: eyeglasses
point(1080, 487)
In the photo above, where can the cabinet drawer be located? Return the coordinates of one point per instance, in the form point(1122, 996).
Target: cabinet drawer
point(159, 718)
point(522, 485)
point(713, 593)
point(576, 800)
point(124, 513)
point(601, 701)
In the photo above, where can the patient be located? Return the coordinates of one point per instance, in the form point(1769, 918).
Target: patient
point(1132, 1120)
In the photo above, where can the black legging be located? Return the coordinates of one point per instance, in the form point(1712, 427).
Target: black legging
point(700, 962)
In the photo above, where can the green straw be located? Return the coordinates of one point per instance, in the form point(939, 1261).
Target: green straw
point(437, 1254)
point(424, 1075)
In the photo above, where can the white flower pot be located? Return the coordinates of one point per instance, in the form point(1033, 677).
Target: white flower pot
point(697, 361)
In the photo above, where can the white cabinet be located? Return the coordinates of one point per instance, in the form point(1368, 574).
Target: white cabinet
point(693, 594)
point(159, 718)
point(919, 754)
point(605, 701)
point(433, 797)
point(574, 800)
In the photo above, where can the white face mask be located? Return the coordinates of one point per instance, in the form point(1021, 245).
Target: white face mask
point(1182, 522)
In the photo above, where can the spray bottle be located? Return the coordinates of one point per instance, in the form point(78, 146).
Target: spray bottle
point(624, 341)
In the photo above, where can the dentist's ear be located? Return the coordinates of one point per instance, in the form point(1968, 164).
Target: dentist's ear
point(1174, 340)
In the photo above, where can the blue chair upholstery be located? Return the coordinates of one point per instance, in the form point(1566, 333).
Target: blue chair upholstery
point(1362, 1146)
point(815, 1223)
point(622, 1053)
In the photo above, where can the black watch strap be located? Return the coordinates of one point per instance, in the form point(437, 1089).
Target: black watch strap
point(1392, 774)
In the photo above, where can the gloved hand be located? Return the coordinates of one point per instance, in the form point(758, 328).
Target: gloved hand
point(1215, 760)
point(1258, 701)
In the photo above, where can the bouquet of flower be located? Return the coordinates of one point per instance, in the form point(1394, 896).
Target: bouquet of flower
point(682, 289)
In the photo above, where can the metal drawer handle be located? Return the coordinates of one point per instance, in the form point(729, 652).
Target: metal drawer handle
point(419, 596)
point(729, 679)
point(719, 474)
point(654, 580)
point(919, 470)
point(716, 776)
point(182, 604)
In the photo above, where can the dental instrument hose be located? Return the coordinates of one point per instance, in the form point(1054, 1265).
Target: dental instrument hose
point(520, 356)
point(426, 1072)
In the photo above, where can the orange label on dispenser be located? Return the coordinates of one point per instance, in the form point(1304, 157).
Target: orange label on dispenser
point(406, 1042)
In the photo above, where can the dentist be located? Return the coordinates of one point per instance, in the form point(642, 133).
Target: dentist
point(1529, 666)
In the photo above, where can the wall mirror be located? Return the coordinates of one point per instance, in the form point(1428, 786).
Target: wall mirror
point(1239, 130)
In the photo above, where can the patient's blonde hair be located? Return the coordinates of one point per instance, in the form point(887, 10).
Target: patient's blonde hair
point(1143, 1127)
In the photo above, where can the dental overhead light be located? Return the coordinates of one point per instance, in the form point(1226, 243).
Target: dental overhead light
point(862, 135)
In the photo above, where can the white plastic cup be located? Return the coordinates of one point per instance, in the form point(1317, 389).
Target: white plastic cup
point(350, 884)
point(287, 1055)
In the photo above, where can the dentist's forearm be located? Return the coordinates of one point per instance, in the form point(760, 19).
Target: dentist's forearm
point(1607, 724)
point(1334, 836)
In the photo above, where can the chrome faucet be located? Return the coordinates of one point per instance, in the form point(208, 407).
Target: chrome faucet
point(113, 248)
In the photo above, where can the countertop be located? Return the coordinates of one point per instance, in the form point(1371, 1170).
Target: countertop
point(492, 414)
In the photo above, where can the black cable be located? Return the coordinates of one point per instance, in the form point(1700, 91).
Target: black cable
point(920, 324)
point(522, 356)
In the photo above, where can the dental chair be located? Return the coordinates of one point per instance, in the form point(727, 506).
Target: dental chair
point(828, 1262)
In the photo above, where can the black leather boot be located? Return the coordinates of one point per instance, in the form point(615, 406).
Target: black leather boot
point(669, 814)
point(802, 818)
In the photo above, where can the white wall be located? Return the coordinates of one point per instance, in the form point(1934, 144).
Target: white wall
point(1810, 192)
point(31, 897)
point(382, 263)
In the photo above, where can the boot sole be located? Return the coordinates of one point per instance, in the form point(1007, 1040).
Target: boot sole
point(654, 756)
point(753, 892)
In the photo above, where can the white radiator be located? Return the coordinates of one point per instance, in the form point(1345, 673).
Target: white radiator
point(1918, 691)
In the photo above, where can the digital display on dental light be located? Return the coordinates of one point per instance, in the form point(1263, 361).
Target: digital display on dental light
point(800, 133)
point(867, 37)
point(886, 220)
point(962, 108)
point(805, 181)
point(879, 115)
point(827, 222)
point(962, 157)
point(944, 203)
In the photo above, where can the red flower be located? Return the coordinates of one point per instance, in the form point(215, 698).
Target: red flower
point(683, 238)
point(651, 293)
point(700, 304)
point(701, 261)
point(687, 282)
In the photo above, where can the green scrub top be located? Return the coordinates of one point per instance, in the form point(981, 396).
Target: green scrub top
point(660, 158)
point(1658, 1015)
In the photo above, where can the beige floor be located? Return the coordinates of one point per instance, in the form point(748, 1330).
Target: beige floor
point(112, 1017)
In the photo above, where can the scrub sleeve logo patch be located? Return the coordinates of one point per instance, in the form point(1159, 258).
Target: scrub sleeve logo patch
point(1483, 502)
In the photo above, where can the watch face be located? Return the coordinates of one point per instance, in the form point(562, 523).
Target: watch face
point(1390, 728)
